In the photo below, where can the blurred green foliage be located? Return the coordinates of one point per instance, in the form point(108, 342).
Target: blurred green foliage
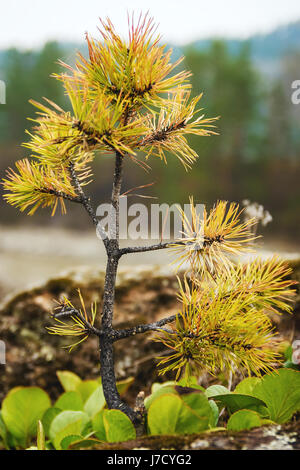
point(256, 155)
point(79, 420)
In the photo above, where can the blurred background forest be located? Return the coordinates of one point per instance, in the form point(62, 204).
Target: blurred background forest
point(256, 156)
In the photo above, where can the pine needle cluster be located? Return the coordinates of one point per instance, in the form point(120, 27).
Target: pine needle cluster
point(125, 97)
point(224, 321)
point(73, 322)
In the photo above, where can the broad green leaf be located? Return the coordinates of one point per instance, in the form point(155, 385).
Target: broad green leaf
point(95, 403)
point(214, 418)
point(86, 388)
point(169, 414)
point(65, 424)
point(288, 353)
point(246, 386)
point(198, 402)
point(87, 429)
point(236, 401)
point(191, 382)
point(68, 440)
point(280, 390)
point(244, 419)
point(118, 427)
point(21, 410)
point(214, 390)
point(167, 389)
point(69, 401)
point(48, 417)
point(3, 432)
point(12, 441)
point(40, 436)
point(192, 420)
point(98, 426)
point(291, 365)
point(68, 380)
point(156, 386)
point(163, 414)
point(123, 385)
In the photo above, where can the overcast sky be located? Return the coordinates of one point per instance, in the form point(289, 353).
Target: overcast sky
point(29, 23)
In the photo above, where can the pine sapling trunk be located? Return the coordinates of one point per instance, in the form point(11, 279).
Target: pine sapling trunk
point(110, 391)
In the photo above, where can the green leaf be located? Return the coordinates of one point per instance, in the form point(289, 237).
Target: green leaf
point(68, 440)
point(3, 432)
point(21, 410)
point(163, 390)
point(118, 427)
point(170, 414)
point(244, 419)
point(236, 401)
point(65, 424)
point(214, 390)
point(191, 382)
point(246, 386)
point(290, 365)
point(123, 385)
point(288, 353)
point(280, 390)
point(86, 388)
point(98, 426)
point(156, 386)
point(198, 402)
point(69, 401)
point(163, 414)
point(40, 436)
point(213, 422)
point(68, 380)
point(95, 403)
point(48, 417)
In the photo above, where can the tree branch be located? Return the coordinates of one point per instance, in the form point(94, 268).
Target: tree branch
point(161, 246)
point(68, 312)
point(142, 249)
point(162, 134)
point(54, 192)
point(85, 201)
point(125, 333)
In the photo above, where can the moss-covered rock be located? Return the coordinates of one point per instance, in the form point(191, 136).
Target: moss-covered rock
point(142, 295)
point(285, 437)
point(33, 356)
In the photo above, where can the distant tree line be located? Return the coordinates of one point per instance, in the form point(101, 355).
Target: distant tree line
point(256, 156)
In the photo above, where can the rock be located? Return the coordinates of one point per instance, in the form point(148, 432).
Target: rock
point(284, 437)
point(143, 295)
point(33, 356)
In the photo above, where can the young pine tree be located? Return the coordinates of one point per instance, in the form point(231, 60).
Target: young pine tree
point(126, 100)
